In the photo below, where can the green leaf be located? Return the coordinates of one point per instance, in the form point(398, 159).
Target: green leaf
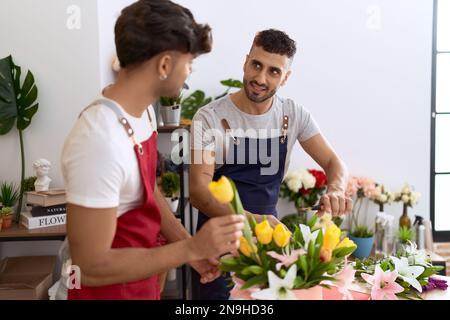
point(232, 83)
point(312, 221)
point(342, 252)
point(17, 101)
point(256, 280)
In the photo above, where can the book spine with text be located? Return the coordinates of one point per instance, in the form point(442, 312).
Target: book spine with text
point(43, 222)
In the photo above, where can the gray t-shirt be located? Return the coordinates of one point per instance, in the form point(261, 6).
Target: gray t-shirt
point(208, 133)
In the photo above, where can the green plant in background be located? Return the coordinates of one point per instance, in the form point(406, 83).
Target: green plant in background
point(170, 184)
point(168, 101)
point(405, 234)
point(28, 184)
point(6, 212)
point(9, 194)
point(198, 98)
point(362, 232)
point(17, 107)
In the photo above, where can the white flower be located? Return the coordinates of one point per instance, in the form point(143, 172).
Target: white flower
point(279, 289)
point(417, 257)
point(383, 198)
point(405, 198)
point(294, 184)
point(308, 180)
point(406, 189)
point(408, 273)
point(307, 235)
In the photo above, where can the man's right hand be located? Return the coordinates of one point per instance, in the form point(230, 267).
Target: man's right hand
point(217, 237)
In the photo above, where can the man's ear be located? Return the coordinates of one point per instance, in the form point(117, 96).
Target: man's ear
point(286, 77)
point(165, 66)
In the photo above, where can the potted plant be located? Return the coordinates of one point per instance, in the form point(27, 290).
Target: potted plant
point(363, 237)
point(404, 236)
point(198, 99)
point(170, 184)
point(9, 194)
point(170, 109)
point(363, 189)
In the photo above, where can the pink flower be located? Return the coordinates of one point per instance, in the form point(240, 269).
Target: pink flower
point(383, 284)
point(367, 185)
point(344, 281)
point(352, 186)
point(287, 259)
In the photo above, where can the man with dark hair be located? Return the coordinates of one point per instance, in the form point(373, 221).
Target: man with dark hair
point(248, 136)
point(115, 211)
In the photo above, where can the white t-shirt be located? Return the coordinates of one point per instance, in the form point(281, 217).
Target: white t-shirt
point(207, 121)
point(99, 163)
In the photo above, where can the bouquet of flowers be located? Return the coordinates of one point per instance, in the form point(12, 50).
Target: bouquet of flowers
point(407, 196)
point(404, 275)
point(304, 187)
point(273, 262)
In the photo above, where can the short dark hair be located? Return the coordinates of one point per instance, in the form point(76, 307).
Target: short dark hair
point(276, 41)
point(149, 27)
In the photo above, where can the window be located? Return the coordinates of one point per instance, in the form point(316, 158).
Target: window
point(440, 123)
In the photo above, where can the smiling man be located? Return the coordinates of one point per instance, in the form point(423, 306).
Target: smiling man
point(248, 136)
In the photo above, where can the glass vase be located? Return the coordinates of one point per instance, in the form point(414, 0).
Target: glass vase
point(405, 221)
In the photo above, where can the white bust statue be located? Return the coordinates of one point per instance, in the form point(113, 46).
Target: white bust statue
point(42, 167)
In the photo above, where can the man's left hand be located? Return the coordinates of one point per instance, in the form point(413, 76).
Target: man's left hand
point(208, 269)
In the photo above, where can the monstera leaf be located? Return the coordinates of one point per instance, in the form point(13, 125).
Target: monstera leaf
point(17, 101)
point(17, 106)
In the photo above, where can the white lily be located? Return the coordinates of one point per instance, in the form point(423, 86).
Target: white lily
point(408, 273)
point(308, 235)
point(279, 289)
point(417, 257)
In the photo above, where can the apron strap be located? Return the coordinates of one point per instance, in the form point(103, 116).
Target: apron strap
point(122, 120)
point(284, 129)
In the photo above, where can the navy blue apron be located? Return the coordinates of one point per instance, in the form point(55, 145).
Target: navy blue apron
point(258, 192)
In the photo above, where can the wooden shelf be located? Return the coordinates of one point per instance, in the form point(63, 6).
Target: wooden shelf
point(20, 233)
point(169, 129)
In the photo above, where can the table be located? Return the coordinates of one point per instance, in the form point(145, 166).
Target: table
point(20, 233)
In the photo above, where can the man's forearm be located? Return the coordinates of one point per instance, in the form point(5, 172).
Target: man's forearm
point(171, 228)
point(337, 175)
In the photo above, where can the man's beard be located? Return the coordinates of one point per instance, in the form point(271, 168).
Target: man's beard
point(257, 99)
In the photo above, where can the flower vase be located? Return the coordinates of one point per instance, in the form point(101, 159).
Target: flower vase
point(405, 221)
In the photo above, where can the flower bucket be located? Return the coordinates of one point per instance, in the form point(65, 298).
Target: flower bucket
point(333, 294)
point(364, 248)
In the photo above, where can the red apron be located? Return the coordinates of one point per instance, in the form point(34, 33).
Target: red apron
point(137, 228)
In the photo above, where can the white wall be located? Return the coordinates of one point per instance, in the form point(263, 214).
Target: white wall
point(368, 88)
point(368, 84)
point(66, 68)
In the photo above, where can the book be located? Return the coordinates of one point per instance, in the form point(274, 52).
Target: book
point(46, 198)
point(31, 222)
point(39, 211)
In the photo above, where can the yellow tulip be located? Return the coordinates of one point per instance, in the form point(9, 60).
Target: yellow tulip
point(346, 243)
point(221, 190)
point(264, 232)
point(325, 254)
point(281, 235)
point(331, 237)
point(246, 248)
